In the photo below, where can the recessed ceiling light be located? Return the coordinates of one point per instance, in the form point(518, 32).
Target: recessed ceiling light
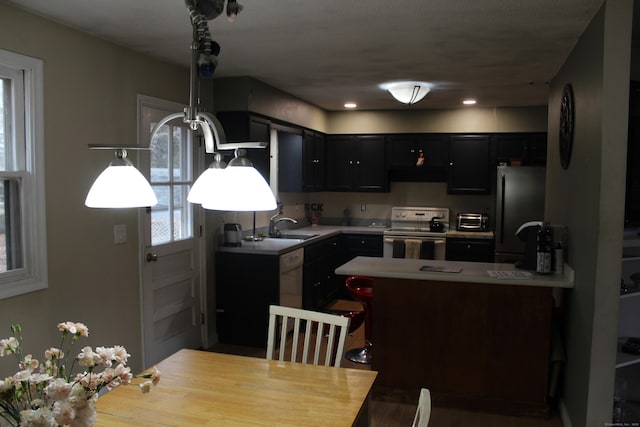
point(469, 101)
point(350, 105)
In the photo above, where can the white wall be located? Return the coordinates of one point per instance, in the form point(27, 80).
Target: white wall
point(90, 89)
point(589, 198)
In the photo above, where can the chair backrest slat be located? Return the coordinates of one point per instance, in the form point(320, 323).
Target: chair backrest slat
point(326, 325)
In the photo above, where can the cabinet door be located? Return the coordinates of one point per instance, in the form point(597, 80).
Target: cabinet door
point(320, 283)
point(370, 173)
point(361, 245)
point(537, 149)
point(243, 296)
point(436, 151)
point(469, 164)
point(241, 126)
point(313, 165)
point(403, 151)
point(340, 161)
point(290, 162)
point(476, 250)
point(510, 146)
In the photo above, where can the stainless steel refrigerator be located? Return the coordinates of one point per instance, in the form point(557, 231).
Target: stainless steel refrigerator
point(519, 199)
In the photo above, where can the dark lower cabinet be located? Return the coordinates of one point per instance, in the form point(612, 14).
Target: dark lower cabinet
point(476, 250)
point(361, 245)
point(246, 285)
point(320, 284)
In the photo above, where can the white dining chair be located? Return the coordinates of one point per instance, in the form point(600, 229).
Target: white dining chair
point(284, 319)
point(423, 413)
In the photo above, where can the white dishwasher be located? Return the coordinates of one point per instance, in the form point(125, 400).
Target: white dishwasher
point(291, 278)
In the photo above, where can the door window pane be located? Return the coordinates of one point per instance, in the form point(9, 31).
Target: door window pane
point(171, 179)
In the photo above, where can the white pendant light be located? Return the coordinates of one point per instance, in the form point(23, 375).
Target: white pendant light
point(121, 185)
point(407, 92)
point(243, 189)
point(214, 176)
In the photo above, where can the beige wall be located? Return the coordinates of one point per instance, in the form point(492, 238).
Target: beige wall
point(589, 198)
point(90, 89)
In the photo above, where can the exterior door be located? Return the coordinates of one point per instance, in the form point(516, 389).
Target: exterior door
point(170, 251)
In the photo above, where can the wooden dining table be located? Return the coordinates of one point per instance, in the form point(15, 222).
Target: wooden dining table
point(200, 388)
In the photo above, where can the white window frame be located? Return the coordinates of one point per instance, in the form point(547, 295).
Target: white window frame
point(30, 134)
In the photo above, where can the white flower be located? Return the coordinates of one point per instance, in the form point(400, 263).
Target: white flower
point(6, 385)
point(37, 418)
point(88, 358)
point(58, 389)
point(120, 354)
point(63, 412)
point(8, 346)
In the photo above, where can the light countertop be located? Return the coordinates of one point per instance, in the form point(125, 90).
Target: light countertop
point(468, 272)
point(270, 246)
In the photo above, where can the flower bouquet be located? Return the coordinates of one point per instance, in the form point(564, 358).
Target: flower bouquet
point(49, 393)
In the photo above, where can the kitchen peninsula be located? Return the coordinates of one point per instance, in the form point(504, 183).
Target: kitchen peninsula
point(474, 340)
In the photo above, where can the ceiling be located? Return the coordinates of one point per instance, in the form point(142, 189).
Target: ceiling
point(328, 52)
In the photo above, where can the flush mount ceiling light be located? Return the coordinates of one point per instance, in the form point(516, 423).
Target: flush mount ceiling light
point(408, 92)
point(238, 186)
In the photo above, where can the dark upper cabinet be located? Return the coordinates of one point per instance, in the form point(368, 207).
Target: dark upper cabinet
point(356, 163)
point(418, 157)
point(241, 126)
point(530, 149)
point(290, 161)
point(313, 161)
point(469, 164)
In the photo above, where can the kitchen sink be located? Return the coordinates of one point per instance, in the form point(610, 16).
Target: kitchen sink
point(294, 236)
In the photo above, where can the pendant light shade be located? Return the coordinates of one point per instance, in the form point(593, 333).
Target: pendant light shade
point(407, 92)
point(243, 189)
point(121, 185)
point(237, 187)
point(203, 190)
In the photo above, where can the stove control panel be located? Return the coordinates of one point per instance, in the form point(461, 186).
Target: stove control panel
point(417, 217)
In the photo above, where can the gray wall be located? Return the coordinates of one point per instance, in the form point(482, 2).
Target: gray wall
point(90, 89)
point(589, 198)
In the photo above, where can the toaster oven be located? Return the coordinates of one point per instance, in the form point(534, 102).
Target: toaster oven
point(472, 222)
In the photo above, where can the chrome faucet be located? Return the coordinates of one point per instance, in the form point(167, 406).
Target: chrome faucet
point(274, 220)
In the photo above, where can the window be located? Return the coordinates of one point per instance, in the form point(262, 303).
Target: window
point(23, 257)
point(171, 179)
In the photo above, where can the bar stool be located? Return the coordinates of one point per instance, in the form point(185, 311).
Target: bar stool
point(361, 289)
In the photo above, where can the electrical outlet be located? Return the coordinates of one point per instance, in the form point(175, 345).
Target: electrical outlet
point(119, 233)
point(363, 207)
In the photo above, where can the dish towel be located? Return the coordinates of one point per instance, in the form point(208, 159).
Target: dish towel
point(398, 248)
point(412, 248)
point(427, 250)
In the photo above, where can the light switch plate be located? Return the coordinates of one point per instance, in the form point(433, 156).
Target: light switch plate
point(119, 233)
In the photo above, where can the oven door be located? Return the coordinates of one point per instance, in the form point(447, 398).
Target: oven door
point(391, 241)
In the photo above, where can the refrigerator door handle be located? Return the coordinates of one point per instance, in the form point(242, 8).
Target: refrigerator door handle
point(502, 200)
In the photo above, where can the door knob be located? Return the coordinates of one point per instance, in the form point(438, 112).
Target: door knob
point(152, 257)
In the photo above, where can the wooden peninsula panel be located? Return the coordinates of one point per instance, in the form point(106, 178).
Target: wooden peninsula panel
point(473, 345)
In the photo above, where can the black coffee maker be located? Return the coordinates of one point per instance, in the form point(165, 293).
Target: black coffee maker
point(528, 233)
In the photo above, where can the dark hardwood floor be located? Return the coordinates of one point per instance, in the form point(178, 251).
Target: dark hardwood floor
point(388, 413)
